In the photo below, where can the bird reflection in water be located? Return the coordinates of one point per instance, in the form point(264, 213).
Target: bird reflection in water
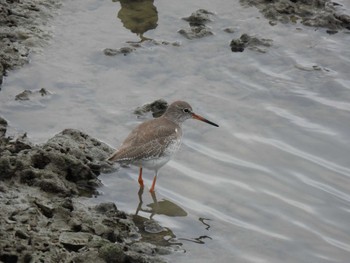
point(150, 229)
point(164, 207)
point(139, 16)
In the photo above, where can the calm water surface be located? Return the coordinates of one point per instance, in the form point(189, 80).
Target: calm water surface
point(271, 184)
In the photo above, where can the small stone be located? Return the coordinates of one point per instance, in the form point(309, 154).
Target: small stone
point(229, 30)
point(45, 209)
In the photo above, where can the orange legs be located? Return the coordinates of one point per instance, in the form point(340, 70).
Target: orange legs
point(140, 178)
point(154, 183)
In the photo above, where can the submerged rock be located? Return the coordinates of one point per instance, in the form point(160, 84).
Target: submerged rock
point(27, 94)
point(253, 43)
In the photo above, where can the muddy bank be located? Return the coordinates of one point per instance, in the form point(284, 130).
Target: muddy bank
point(23, 29)
point(43, 217)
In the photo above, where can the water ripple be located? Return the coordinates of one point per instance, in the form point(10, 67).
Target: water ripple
point(340, 105)
point(202, 177)
point(302, 122)
point(194, 205)
point(324, 187)
point(294, 151)
point(291, 202)
point(329, 240)
point(223, 157)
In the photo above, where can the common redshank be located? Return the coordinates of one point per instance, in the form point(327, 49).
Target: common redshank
point(152, 143)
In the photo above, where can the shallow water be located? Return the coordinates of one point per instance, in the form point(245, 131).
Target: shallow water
point(271, 184)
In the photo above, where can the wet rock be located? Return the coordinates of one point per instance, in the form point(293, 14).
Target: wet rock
point(157, 108)
point(198, 28)
point(237, 45)
point(310, 67)
point(23, 95)
point(315, 13)
point(113, 52)
point(153, 227)
point(3, 127)
point(196, 32)
point(229, 30)
point(27, 94)
point(199, 17)
point(253, 43)
point(60, 166)
point(144, 43)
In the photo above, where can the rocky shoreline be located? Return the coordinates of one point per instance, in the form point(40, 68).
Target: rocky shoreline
point(23, 29)
point(43, 216)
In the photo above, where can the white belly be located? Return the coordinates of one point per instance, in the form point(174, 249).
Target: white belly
point(156, 163)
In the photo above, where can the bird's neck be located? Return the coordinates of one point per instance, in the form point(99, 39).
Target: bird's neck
point(173, 120)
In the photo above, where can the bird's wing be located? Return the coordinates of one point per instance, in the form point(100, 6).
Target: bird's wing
point(142, 144)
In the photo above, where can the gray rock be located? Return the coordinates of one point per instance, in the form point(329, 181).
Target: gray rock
point(157, 108)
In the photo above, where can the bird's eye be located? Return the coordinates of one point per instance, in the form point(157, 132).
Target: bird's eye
point(186, 110)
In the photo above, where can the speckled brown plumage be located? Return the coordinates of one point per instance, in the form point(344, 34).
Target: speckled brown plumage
point(152, 143)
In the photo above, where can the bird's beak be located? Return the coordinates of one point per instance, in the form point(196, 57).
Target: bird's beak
point(197, 117)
